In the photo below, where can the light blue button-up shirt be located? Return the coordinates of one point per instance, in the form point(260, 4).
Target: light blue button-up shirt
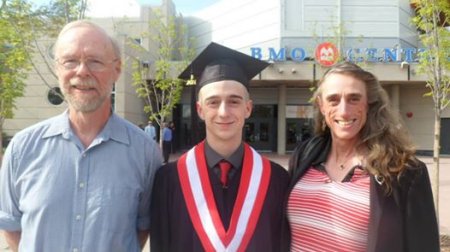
point(151, 131)
point(64, 197)
point(167, 134)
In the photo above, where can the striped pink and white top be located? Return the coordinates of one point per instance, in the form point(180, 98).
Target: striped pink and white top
point(329, 216)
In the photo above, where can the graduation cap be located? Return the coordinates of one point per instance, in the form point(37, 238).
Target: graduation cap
point(217, 63)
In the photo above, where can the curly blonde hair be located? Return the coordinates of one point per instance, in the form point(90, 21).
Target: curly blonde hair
point(390, 149)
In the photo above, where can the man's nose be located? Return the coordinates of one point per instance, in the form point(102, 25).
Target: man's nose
point(83, 69)
point(223, 109)
point(343, 107)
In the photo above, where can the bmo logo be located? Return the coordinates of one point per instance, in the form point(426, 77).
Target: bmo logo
point(326, 54)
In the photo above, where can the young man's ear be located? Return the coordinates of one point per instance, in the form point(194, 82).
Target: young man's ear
point(199, 110)
point(249, 108)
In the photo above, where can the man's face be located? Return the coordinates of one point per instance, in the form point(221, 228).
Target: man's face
point(343, 103)
point(224, 106)
point(86, 86)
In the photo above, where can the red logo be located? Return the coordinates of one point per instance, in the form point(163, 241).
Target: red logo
point(327, 54)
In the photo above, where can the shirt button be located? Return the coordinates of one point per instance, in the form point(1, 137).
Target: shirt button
point(78, 217)
point(81, 185)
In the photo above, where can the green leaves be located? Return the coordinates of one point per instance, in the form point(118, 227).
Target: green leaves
point(157, 83)
point(22, 27)
point(14, 61)
point(431, 19)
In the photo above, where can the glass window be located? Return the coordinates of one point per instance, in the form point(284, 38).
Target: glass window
point(264, 111)
point(55, 96)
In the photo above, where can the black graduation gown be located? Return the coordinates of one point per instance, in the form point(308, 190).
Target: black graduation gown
point(171, 227)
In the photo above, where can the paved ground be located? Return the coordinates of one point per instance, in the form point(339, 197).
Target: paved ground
point(444, 195)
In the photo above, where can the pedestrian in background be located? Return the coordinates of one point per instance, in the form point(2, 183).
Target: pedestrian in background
point(221, 195)
point(150, 130)
point(174, 140)
point(82, 180)
point(167, 142)
point(357, 184)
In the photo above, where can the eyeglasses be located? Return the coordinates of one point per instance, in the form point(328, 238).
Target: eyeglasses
point(94, 65)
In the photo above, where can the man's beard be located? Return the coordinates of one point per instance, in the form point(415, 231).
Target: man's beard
point(86, 103)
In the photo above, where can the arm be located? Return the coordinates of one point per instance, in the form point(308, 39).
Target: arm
point(143, 236)
point(421, 223)
point(10, 214)
point(154, 164)
point(13, 239)
point(160, 214)
point(283, 192)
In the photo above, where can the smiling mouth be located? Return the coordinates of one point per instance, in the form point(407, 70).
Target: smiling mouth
point(224, 123)
point(83, 88)
point(345, 122)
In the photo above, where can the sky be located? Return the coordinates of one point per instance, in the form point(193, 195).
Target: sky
point(186, 7)
point(105, 8)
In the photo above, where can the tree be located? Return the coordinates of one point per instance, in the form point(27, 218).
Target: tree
point(47, 21)
point(163, 91)
point(15, 34)
point(431, 18)
point(21, 28)
point(63, 11)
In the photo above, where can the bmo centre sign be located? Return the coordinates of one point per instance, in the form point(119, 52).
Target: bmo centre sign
point(327, 54)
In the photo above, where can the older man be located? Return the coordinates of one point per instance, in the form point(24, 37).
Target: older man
point(80, 181)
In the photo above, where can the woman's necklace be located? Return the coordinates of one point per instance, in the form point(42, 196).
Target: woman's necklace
point(342, 165)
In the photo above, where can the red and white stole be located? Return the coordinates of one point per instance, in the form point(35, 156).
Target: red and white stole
point(199, 198)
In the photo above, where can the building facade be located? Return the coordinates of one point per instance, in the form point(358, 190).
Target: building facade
point(287, 33)
point(376, 34)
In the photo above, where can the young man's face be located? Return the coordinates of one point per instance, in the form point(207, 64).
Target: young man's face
point(224, 106)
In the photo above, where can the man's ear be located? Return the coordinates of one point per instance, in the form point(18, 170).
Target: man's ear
point(249, 108)
point(118, 69)
point(199, 110)
point(319, 103)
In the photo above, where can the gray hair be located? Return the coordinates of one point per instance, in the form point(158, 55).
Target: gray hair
point(86, 23)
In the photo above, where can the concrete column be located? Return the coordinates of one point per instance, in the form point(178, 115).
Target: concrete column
point(395, 97)
point(281, 120)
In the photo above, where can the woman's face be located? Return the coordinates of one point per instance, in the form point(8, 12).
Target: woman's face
point(343, 103)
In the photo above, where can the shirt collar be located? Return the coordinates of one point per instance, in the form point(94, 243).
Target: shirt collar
point(114, 129)
point(213, 158)
point(59, 126)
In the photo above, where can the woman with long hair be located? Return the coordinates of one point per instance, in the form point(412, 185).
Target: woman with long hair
point(357, 184)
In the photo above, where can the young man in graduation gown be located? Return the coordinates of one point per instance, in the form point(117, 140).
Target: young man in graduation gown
point(221, 195)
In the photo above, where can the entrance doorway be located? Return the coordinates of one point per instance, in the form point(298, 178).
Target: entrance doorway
point(299, 125)
point(445, 139)
point(260, 130)
point(297, 131)
point(190, 130)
